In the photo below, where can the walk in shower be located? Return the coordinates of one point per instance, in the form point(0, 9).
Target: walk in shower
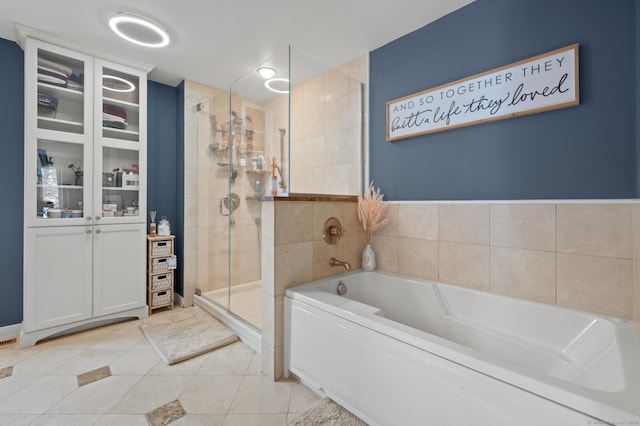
point(298, 129)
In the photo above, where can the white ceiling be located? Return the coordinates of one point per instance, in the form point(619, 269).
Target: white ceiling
point(216, 42)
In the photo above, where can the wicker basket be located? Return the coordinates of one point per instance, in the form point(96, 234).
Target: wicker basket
point(160, 265)
point(162, 248)
point(160, 298)
point(161, 282)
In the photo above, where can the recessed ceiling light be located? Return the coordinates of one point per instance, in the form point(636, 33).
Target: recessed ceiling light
point(117, 84)
point(138, 29)
point(266, 72)
point(278, 85)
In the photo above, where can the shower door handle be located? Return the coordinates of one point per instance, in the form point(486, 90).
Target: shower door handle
point(221, 204)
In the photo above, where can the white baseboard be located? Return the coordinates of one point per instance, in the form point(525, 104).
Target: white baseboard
point(9, 331)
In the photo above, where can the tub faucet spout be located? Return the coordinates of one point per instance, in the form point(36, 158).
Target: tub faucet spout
point(335, 262)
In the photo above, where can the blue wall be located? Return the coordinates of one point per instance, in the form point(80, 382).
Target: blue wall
point(637, 100)
point(587, 151)
point(164, 155)
point(11, 180)
point(179, 274)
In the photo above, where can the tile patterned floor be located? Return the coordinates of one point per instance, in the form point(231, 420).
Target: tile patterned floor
point(112, 376)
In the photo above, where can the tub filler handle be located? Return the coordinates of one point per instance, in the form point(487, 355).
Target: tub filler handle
point(332, 231)
point(341, 289)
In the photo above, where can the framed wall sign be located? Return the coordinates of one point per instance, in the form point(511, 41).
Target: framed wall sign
point(541, 83)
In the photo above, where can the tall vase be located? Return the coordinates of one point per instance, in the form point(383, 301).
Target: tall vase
point(368, 259)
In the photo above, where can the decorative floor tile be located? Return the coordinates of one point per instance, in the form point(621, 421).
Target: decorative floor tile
point(93, 375)
point(112, 376)
point(6, 372)
point(165, 414)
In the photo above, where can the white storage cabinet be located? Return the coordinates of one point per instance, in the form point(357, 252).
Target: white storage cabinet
point(85, 191)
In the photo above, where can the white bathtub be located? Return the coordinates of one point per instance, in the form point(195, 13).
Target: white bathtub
point(401, 351)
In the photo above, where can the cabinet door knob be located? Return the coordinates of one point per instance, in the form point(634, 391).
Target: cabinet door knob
point(98, 231)
point(88, 218)
point(88, 231)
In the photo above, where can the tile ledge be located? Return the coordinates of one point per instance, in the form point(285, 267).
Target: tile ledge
point(306, 197)
point(549, 201)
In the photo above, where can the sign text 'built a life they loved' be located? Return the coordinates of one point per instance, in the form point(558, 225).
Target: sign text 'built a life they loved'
point(544, 82)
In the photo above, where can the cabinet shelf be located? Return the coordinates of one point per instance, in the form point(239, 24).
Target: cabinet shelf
point(60, 125)
point(120, 188)
point(42, 185)
point(118, 102)
point(62, 93)
point(130, 135)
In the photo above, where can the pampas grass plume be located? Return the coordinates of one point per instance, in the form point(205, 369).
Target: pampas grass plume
point(372, 211)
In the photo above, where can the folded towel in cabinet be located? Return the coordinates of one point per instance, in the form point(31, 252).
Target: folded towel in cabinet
point(114, 124)
point(55, 66)
point(44, 78)
point(53, 73)
point(109, 117)
point(114, 110)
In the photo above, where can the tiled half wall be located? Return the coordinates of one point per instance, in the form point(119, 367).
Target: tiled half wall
point(580, 255)
point(294, 252)
point(583, 255)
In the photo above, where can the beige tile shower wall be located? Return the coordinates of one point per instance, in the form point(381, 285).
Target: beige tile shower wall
point(301, 255)
point(575, 254)
point(326, 131)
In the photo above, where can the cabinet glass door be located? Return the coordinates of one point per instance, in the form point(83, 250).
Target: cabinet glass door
point(120, 192)
point(61, 91)
point(120, 104)
point(61, 184)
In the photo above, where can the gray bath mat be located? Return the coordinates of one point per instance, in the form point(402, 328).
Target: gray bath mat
point(327, 413)
point(185, 333)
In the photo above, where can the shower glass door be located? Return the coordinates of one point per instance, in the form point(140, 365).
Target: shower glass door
point(209, 122)
point(242, 147)
point(258, 166)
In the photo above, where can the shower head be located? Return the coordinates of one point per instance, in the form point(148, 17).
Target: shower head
point(282, 131)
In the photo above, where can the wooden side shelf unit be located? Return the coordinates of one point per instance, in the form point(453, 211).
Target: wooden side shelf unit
point(160, 249)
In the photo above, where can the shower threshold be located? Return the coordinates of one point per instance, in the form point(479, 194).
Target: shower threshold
point(249, 334)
